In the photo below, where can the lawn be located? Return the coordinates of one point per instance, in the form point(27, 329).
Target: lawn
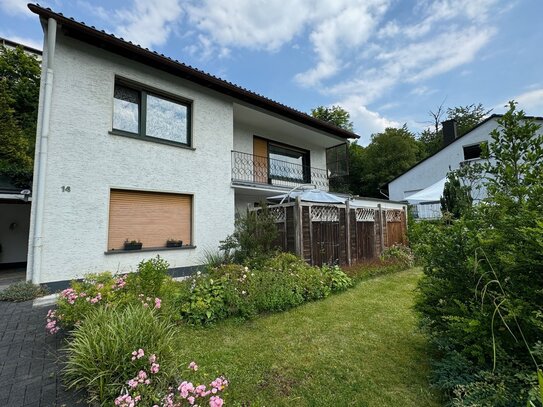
point(359, 348)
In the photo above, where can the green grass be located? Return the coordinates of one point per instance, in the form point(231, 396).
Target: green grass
point(359, 348)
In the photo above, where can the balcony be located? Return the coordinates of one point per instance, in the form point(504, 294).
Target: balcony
point(249, 169)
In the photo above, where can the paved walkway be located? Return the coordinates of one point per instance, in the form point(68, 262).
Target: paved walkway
point(29, 368)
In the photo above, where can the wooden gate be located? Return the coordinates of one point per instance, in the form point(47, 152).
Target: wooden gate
point(324, 235)
point(365, 233)
point(395, 227)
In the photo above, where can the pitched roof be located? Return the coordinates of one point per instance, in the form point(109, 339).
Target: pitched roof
point(127, 49)
point(492, 116)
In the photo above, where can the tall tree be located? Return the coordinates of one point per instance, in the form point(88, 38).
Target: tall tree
point(335, 115)
point(19, 94)
point(466, 118)
point(388, 155)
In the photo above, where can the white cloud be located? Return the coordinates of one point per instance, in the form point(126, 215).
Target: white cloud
point(15, 7)
point(148, 22)
point(531, 102)
point(366, 122)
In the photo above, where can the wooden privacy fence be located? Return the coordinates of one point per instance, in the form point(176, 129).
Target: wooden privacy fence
point(337, 233)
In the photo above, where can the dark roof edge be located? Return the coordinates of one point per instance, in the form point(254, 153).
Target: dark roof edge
point(6, 41)
point(128, 49)
point(492, 116)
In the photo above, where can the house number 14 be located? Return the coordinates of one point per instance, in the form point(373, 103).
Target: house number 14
point(65, 188)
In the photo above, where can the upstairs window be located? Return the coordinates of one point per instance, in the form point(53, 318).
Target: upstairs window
point(472, 152)
point(139, 112)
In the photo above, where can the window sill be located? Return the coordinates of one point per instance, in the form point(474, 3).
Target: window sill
point(151, 139)
point(149, 249)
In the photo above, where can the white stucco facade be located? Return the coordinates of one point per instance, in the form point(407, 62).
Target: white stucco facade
point(436, 167)
point(84, 156)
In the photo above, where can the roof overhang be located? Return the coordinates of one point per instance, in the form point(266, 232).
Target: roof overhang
point(127, 49)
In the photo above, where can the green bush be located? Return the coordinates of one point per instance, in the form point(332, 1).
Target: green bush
point(98, 355)
point(281, 282)
point(23, 291)
point(150, 276)
point(399, 254)
point(481, 296)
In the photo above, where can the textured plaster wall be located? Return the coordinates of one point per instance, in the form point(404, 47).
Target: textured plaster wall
point(86, 157)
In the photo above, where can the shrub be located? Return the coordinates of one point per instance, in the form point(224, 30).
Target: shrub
point(337, 279)
point(481, 294)
point(400, 254)
point(254, 238)
point(364, 270)
point(23, 291)
point(281, 282)
point(99, 354)
point(202, 300)
point(149, 278)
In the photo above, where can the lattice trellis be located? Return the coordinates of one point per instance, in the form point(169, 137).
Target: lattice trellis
point(394, 215)
point(365, 215)
point(279, 213)
point(324, 214)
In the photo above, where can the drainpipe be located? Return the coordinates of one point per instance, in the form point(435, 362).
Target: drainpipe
point(41, 164)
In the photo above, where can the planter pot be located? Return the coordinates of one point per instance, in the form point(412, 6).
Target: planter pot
point(178, 243)
point(133, 246)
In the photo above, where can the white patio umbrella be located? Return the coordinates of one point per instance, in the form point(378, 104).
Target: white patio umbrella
point(309, 195)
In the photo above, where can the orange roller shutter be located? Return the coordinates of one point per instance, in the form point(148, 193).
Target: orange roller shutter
point(149, 217)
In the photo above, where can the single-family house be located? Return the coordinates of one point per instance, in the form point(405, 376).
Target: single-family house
point(135, 146)
point(422, 185)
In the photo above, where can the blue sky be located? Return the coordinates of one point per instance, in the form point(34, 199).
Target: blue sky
point(388, 62)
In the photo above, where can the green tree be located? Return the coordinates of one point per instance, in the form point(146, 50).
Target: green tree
point(335, 115)
point(15, 161)
point(482, 293)
point(456, 199)
point(388, 155)
point(19, 87)
point(466, 118)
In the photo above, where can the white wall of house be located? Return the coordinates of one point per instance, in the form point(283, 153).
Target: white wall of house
point(437, 166)
point(86, 157)
point(14, 226)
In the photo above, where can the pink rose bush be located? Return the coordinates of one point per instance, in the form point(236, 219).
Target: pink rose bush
point(141, 388)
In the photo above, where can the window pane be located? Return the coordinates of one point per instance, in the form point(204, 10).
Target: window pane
point(166, 119)
point(126, 109)
point(286, 163)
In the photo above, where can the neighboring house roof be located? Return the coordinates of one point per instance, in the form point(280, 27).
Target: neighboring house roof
point(135, 52)
point(491, 117)
point(12, 44)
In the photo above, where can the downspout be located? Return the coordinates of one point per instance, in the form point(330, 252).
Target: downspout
point(41, 165)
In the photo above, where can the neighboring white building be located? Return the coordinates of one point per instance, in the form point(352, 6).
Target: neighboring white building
point(424, 177)
point(134, 145)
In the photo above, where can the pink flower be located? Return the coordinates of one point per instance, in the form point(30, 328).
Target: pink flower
point(190, 399)
point(132, 383)
point(138, 354)
point(215, 401)
point(158, 302)
point(154, 368)
point(152, 358)
point(142, 376)
point(98, 297)
point(185, 388)
point(193, 366)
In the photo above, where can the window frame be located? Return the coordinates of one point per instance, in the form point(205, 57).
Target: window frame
point(143, 92)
